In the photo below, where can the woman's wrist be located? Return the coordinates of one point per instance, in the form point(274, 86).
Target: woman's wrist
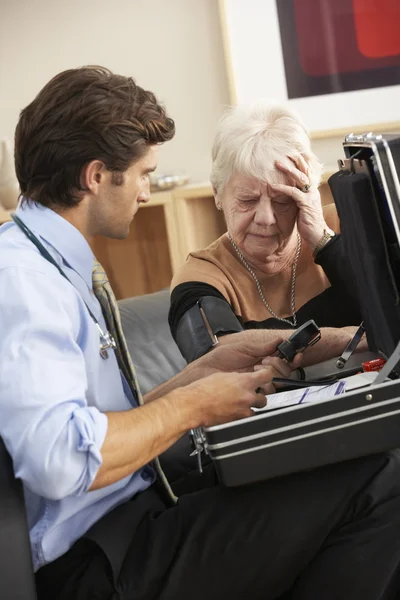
point(324, 238)
point(315, 237)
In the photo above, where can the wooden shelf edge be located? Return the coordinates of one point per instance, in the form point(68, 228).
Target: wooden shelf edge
point(194, 190)
point(159, 199)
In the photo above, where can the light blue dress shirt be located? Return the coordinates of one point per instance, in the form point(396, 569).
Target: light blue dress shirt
point(54, 385)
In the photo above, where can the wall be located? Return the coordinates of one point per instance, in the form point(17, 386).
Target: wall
point(172, 47)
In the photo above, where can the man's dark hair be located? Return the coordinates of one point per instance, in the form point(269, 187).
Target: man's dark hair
point(82, 115)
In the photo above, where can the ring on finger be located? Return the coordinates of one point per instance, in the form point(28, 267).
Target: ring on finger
point(305, 188)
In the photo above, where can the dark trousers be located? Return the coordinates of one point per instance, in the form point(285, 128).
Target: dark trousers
point(328, 534)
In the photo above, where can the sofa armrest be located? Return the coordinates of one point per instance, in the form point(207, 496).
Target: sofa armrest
point(16, 572)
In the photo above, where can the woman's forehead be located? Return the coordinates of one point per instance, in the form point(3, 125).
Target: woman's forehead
point(244, 183)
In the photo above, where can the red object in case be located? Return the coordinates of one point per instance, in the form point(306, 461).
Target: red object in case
point(373, 365)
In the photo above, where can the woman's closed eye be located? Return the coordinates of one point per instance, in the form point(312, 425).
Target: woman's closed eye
point(247, 202)
point(282, 202)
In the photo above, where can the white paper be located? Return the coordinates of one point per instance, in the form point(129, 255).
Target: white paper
point(303, 395)
point(318, 393)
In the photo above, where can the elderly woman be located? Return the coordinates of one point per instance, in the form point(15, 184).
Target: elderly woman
point(279, 264)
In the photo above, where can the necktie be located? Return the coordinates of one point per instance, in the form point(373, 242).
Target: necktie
point(103, 292)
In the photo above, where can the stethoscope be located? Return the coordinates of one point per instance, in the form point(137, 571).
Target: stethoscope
point(106, 339)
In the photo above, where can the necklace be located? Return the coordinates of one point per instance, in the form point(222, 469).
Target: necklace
point(293, 322)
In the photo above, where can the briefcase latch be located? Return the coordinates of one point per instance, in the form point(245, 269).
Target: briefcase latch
point(199, 444)
point(362, 138)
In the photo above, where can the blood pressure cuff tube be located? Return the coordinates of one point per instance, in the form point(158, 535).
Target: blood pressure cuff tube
point(193, 337)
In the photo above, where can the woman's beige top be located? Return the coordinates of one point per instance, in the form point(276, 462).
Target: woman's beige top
point(322, 292)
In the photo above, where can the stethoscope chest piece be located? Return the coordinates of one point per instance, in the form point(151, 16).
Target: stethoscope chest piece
point(107, 342)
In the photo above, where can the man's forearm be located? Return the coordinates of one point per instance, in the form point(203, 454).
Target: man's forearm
point(188, 375)
point(137, 436)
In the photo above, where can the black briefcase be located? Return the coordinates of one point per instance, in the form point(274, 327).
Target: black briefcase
point(302, 437)
point(270, 444)
point(366, 191)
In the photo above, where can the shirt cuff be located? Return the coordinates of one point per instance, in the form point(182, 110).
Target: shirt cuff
point(91, 425)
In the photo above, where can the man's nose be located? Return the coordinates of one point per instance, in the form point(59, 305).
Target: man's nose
point(145, 194)
point(144, 197)
point(264, 214)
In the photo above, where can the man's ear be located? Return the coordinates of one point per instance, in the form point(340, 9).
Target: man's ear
point(92, 175)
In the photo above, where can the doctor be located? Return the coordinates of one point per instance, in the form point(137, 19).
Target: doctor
point(103, 520)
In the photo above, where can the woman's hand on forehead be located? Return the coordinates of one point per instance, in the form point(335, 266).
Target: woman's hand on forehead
point(310, 220)
point(296, 169)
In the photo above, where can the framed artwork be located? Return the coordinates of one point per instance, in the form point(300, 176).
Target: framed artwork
point(337, 62)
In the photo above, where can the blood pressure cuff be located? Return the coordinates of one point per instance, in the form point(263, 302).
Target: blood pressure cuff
point(199, 327)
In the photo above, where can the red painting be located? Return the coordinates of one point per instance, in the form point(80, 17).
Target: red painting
point(332, 46)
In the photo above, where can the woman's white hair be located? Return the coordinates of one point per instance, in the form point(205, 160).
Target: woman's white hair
point(250, 138)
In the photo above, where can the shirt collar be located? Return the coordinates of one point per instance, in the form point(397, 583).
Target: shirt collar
point(62, 235)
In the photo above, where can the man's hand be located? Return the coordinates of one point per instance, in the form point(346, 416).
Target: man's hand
point(225, 397)
point(239, 352)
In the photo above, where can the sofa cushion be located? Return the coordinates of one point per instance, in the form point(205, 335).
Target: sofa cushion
point(154, 352)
